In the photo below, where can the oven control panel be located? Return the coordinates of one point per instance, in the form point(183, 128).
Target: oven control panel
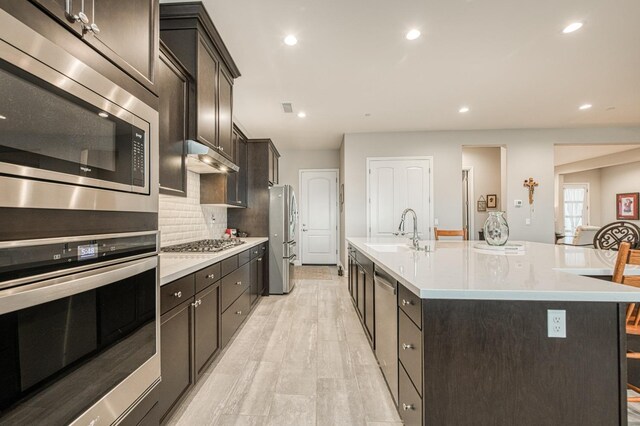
point(37, 257)
point(137, 156)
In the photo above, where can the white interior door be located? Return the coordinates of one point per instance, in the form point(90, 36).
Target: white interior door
point(318, 216)
point(394, 185)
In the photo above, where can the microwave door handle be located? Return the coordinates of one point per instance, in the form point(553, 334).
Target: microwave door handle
point(17, 298)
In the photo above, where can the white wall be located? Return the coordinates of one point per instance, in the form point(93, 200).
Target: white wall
point(530, 153)
point(616, 180)
point(292, 161)
point(485, 162)
point(593, 178)
point(182, 220)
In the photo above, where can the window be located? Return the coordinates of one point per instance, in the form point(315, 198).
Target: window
point(576, 206)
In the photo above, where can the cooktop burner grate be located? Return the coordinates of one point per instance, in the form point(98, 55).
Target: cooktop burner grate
point(203, 246)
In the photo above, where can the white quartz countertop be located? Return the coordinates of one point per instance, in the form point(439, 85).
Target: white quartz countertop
point(177, 265)
point(458, 270)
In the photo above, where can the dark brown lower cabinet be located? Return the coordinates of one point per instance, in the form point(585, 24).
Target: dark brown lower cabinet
point(194, 327)
point(206, 326)
point(175, 355)
point(255, 272)
point(360, 301)
point(233, 317)
point(409, 401)
point(262, 271)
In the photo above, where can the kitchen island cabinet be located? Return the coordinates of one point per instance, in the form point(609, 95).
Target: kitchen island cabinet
point(474, 343)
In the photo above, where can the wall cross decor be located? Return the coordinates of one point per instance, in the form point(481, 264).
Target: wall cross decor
point(530, 184)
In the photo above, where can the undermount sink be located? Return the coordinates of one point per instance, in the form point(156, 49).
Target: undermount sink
point(388, 248)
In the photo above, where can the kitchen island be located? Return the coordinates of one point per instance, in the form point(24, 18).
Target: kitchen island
point(474, 326)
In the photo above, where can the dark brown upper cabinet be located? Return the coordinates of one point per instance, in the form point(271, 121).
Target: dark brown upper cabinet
point(173, 85)
point(125, 32)
point(225, 85)
point(188, 31)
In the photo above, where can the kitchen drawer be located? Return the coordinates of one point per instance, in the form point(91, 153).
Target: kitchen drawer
point(256, 252)
point(207, 276)
point(244, 257)
point(229, 265)
point(176, 292)
point(234, 284)
point(410, 349)
point(234, 316)
point(409, 402)
point(410, 304)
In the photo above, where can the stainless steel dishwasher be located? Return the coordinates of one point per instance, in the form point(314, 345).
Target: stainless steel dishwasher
point(386, 320)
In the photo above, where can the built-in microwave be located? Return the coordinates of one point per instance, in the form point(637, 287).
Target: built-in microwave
point(69, 137)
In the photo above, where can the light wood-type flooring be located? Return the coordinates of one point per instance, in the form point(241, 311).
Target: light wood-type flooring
point(300, 359)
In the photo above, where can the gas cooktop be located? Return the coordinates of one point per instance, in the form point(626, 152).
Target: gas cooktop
point(203, 246)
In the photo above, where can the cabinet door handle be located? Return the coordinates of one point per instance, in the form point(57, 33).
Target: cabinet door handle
point(197, 303)
point(238, 312)
point(406, 346)
point(407, 302)
point(177, 294)
point(239, 283)
point(408, 407)
point(259, 259)
point(94, 28)
point(211, 276)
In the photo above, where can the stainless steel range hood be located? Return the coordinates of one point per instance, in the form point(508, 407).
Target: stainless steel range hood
point(202, 159)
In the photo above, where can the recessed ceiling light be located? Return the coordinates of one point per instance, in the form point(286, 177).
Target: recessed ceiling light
point(574, 26)
point(103, 114)
point(302, 114)
point(290, 40)
point(2, 117)
point(413, 34)
point(585, 106)
point(464, 109)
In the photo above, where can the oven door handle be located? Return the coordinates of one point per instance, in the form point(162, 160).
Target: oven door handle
point(16, 298)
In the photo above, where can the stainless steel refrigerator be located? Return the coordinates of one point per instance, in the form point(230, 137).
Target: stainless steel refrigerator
point(283, 219)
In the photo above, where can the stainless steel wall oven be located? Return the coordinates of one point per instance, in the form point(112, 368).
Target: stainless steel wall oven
point(78, 328)
point(79, 310)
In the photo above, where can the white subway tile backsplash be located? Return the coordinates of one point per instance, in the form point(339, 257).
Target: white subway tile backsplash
point(182, 220)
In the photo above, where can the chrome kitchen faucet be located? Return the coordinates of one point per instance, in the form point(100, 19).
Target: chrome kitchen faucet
point(415, 240)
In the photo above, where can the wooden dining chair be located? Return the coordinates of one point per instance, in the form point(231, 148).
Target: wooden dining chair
point(450, 233)
point(627, 256)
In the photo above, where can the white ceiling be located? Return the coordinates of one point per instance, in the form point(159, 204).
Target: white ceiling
point(565, 154)
point(507, 60)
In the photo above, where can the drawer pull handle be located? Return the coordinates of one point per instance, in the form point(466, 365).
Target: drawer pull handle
point(211, 276)
point(408, 407)
point(255, 252)
point(239, 283)
point(407, 346)
point(238, 312)
point(177, 294)
point(407, 302)
point(259, 259)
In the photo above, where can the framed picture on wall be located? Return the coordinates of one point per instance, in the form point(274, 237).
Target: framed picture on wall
point(492, 201)
point(482, 204)
point(627, 206)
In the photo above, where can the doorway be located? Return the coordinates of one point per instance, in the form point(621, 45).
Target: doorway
point(394, 184)
point(467, 202)
point(319, 216)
